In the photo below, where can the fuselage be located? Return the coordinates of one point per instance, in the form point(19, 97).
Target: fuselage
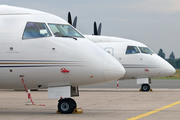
point(138, 60)
point(40, 60)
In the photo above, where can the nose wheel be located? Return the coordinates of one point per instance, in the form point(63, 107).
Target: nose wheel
point(145, 87)
point(66, 106)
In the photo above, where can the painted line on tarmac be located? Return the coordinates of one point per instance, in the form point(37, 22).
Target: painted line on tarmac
point(154, 111)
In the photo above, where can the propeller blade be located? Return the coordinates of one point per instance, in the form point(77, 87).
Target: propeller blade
point(95, 29)
point(75, 22)
point(69, 18)
point(99, 29)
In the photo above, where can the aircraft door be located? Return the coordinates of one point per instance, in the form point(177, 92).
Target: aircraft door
point(110, 50)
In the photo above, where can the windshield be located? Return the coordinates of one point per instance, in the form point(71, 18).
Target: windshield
point(146, 50)
point(60, 30)
point(132, 50)
point(35, 30)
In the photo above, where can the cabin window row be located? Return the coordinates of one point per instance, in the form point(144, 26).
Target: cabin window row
point(135, 50)
point(39, 30)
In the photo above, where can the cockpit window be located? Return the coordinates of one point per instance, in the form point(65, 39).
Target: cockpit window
point(60, 30)
point(132, 50)
point(146, 50)
point(36, 30)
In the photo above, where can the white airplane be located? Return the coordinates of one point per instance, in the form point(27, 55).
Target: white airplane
point(139, 61)
point(41, 50)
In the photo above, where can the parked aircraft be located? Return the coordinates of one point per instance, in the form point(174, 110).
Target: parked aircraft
point(41, 50)
point(139, 61)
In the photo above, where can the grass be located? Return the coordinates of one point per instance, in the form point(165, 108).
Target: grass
point(176, 75)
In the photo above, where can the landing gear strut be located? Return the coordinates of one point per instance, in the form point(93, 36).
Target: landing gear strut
point(66, 106)
point(145, 87)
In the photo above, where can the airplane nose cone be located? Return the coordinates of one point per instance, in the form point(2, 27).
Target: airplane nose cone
point(112, 68)
point(170, 70)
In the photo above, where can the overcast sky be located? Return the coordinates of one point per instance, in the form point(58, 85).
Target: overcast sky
point(155, 23)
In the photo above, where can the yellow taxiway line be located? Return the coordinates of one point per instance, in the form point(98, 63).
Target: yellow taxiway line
point(154, 111)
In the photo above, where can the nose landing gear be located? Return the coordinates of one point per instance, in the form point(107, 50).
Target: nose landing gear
point(66, 105)
point(145, 88)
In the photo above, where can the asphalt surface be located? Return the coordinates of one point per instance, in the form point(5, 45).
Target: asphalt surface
point(131, 84)
point(99, 103)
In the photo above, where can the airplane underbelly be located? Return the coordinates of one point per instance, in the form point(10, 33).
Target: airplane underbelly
point(141, 73)
point(33, 77)
point(136, 73)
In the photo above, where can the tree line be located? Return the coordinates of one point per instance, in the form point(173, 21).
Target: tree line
point(175, 62)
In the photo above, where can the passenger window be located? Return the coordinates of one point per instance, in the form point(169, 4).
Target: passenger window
point(132, 50)
point(36, 30)
point(146, 50)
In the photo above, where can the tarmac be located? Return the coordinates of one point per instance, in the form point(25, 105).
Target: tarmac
point(97, 104)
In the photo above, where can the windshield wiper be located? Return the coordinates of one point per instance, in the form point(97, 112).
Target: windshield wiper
point(70, 37)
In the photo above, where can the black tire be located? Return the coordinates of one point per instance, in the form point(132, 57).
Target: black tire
point(65, 106)
point(145, 87)
point(73, 101)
